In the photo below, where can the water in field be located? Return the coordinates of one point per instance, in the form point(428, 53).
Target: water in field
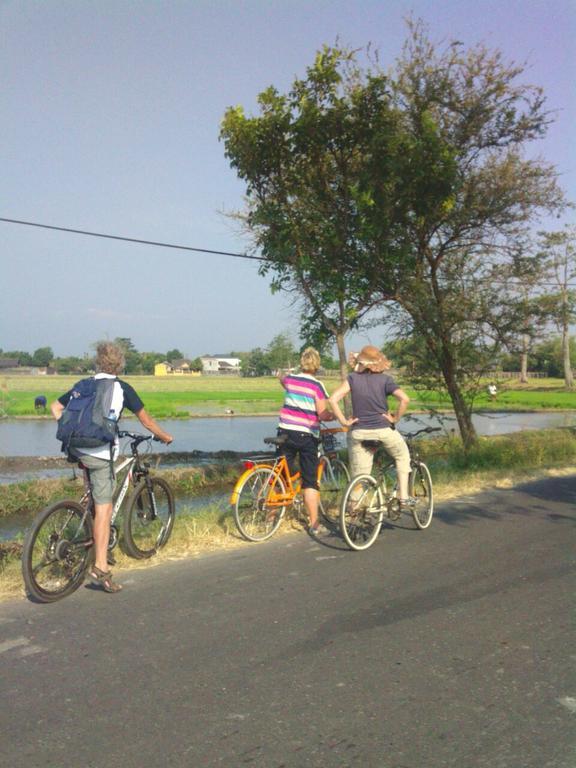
point(38, 437)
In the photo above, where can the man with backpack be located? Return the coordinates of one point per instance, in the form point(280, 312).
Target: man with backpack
point(87, 418)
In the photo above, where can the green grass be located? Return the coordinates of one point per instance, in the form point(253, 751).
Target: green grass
point(190, 396)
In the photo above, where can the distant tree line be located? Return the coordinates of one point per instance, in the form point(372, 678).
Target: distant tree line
point(137, 363)
point(281, 353)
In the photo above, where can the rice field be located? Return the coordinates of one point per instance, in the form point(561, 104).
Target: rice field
point(190, 396)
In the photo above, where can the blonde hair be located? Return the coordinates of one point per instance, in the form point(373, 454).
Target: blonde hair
point(309, 360)
point(109, 358)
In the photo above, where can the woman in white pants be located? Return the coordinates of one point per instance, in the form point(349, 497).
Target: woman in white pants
point(370, 387)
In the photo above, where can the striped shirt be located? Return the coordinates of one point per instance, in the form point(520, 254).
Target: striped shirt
point(299, 409)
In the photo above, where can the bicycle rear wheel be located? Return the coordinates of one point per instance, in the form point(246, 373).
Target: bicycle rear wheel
point(361, 512)
point(333, 482)
point(57, 551)
point(149, 518)
point(422, 495)
point(258, 511)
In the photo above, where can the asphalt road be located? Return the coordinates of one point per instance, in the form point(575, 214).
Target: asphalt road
point(449, 647)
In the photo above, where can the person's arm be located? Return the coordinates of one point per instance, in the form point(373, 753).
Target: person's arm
point(147, 421)
point(323, 410)
point(56, 409)
point(403, 401)
point(333, 401)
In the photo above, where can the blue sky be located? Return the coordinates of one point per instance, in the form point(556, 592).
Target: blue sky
point(110, 117)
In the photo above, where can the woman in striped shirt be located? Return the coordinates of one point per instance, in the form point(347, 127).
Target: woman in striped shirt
point(304, 405)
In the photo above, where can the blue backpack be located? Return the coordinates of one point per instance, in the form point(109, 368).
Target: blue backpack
point(88, 420)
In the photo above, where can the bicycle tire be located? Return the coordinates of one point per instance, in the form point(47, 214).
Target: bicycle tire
point(256, 517)
point(422, 495)
point(57, 551)
point(333, 482)
point(361, 512)
point(146, 529)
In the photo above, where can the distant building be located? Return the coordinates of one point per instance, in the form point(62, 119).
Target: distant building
point(8, 363)
point(174, 368)
point(220, 364)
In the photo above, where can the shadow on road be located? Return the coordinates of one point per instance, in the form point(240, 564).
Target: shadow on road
point(547, 497)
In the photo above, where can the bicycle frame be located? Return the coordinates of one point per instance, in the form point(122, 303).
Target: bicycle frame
point(278, 469)
point(124, 463)
point(86, 500)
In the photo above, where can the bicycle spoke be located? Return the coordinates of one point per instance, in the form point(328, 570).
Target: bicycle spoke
point(56, 551)
point(260, 504)
point(361, 512)
point(422, 496)
point(149, 519)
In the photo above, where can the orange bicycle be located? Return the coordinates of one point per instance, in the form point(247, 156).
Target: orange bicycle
point(266, 489)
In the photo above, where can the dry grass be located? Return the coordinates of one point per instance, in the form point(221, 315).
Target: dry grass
point(213, 529)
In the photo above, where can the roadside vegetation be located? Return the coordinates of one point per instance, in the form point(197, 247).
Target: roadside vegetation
point(502, 461)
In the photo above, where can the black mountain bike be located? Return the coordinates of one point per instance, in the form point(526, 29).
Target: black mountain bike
point(58, 547)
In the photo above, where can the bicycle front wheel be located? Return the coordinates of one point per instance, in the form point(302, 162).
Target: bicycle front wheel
point(422, 495)
point(361, 512)
point(149, 518)
point(260, 504)
point(57, 551)
point(333, 481)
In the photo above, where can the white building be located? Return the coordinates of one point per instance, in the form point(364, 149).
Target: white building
point(220, 364)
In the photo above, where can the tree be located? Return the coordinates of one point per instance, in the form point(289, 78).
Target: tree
point(42, 356)
point(411, 189)
point(131, 355)
point(560, 254)
point(302, 160)
point(174, 354)
point(255, 363)
point(281, 353)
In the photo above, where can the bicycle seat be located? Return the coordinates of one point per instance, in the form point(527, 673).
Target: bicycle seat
point(371, 444)
point(276, 440)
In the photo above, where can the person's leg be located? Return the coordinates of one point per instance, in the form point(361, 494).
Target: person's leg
point(396, 446)
point(101, 477)
point(311, 500)
point(102, 518)
point(361, 458)
point(308, 455)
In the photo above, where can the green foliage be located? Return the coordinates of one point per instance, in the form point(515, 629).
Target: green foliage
point(526, 450)
point(281, 353)
point(255, 363)
point(410, 188)
point(42, 356)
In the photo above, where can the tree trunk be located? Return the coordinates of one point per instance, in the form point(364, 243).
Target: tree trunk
point(524, 361)
point(341, 354)
point(461, 409)
point(568, 376)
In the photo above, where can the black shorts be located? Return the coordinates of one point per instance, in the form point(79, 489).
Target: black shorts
point(305, 446)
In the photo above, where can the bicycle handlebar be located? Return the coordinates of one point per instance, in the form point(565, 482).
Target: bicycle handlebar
point(411, 435)
point(136, 437)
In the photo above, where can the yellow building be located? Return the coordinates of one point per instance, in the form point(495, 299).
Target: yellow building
point(178, 368)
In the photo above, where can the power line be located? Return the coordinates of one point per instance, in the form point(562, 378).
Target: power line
point(199, 250)
point(132, 239)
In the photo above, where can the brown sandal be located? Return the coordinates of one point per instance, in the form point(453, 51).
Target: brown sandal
point(103, 579)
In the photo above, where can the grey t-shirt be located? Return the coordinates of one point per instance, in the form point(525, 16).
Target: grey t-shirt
point(369, 399)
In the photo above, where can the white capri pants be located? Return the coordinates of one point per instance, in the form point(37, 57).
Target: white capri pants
point(361, 458)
